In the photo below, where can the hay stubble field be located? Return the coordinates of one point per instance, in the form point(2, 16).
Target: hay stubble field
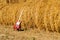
point(40, 18)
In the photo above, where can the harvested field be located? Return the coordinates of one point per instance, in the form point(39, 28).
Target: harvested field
point(7, 33)
point(37, 15)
